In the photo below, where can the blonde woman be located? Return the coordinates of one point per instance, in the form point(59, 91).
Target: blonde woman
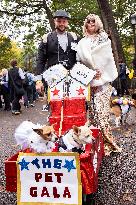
point(94, 51)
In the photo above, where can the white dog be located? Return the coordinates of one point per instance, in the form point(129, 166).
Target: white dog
point(36, 137)
point(76, 139)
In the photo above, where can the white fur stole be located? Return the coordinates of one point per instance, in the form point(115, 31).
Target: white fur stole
point(101, 58)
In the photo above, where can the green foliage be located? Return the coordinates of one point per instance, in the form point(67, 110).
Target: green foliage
point(8, 50)
point(29, 53)
point(78, 11)
point(5, 46)
point(122, 11)
point(33, 17)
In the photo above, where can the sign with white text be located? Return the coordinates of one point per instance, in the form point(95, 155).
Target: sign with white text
point(51, 179)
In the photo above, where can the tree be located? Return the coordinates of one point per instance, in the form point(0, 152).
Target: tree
point(121, 12)
point(111, 28)
point(29, 53)
point(5, 46)
point(27, 13)
point(36, 16)
point(78, 10)
point(8, 50)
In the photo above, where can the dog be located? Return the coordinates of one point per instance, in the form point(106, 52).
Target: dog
point(47, 133)
point(75, 139)
point(121, 108)
point(116, 110)
point(38, 138)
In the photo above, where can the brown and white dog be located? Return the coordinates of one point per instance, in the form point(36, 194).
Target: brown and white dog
point(38, 138)
point(75, 139)
point(47, 133)
point(117, 112)
point(121, 112)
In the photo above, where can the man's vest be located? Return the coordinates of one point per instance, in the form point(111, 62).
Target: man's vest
point(51, 53)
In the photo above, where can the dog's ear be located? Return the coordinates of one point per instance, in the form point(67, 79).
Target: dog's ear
point(47, 129)
point(39, 131)
point(76, 129)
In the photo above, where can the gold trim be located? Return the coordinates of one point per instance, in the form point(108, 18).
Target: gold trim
point(50, 154)
point(89, 92)
point(49, 94)
point(76, 155)
point(43, 203)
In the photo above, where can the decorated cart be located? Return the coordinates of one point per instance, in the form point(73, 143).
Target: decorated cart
point(59, 178)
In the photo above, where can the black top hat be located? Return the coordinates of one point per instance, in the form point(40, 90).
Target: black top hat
point(61, 13)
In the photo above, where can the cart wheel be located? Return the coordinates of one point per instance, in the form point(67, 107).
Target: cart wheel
point(83, 199)
point(90, 199)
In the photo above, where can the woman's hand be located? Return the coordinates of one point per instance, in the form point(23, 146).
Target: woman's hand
point(98, 75)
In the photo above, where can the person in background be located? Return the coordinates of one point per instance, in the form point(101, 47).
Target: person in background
point(5, 90)
point(35, 94)
point(15, 80)
point(0, 90)
point(57, 47)
point(123, 77)
point(28, 86)
point(133, 83)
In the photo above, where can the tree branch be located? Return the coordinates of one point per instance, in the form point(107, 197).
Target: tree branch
point(20, 14)
point(49, 14)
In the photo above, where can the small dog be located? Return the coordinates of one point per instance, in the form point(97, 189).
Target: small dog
point(75, 139)
point(116, 110)
point(47, 133)
point(121, 111)
point(36, 137)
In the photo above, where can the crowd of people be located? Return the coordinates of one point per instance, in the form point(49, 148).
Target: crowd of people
point(18, 84)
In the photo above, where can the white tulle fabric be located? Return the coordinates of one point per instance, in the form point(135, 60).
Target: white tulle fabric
point(27, 138)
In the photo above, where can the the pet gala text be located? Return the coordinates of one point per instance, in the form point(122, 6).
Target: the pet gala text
point(45, 192)
point(48, 178)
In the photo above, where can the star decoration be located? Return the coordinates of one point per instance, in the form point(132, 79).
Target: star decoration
point(24, 164)
point(55, 92)
point(80, 91)
point(69, 165)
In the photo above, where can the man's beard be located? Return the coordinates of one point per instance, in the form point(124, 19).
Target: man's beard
point(61, 30)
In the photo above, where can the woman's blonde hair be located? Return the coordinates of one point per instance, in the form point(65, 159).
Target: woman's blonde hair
point(97, 21)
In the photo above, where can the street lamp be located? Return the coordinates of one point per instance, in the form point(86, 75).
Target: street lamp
point(133, 22)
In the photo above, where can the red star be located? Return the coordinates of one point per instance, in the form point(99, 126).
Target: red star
point(55, 92)
point(80, 91)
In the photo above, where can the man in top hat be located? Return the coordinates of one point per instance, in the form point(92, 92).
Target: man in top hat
point(57, 46)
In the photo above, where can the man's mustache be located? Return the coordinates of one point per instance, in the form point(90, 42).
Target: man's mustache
point(58, 27)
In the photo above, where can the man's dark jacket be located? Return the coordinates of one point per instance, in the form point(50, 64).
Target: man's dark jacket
point(50, 53)
point(13, 75)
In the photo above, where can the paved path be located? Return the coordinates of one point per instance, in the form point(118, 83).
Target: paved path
point(8, 124)
point(116, 181)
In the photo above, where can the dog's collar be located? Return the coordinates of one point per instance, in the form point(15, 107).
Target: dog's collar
point(76, 141)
